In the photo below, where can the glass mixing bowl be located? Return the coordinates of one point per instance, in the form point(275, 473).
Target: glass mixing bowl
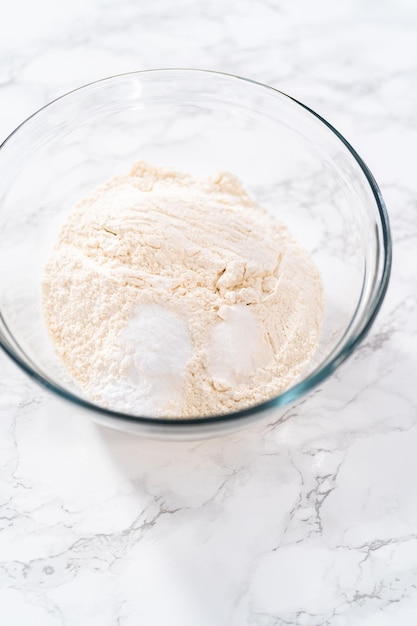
point(288, 158)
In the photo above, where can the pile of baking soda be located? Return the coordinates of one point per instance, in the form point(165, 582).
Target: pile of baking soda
point(171, 296)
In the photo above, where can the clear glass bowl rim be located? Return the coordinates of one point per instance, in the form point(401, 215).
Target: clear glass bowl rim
point(299, 389)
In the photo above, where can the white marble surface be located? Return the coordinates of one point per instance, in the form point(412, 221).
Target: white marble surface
point(311, 523)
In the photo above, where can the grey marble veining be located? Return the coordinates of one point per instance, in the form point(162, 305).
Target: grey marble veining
point(310, 522)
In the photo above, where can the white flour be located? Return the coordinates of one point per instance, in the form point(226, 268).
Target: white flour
point(170, 296)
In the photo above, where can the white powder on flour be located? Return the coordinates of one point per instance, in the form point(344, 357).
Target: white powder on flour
point(171, 296)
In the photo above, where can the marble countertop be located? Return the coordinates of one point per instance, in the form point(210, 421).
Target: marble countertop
point(310, 523)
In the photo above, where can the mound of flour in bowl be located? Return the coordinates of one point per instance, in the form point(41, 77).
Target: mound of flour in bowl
point(171, 296)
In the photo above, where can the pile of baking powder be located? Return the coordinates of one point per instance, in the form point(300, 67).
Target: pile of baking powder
point(171, 296)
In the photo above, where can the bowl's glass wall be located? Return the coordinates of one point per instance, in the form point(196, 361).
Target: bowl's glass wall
point(201, 123)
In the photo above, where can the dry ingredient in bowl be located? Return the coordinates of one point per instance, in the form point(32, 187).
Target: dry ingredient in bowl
point(171, 296)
